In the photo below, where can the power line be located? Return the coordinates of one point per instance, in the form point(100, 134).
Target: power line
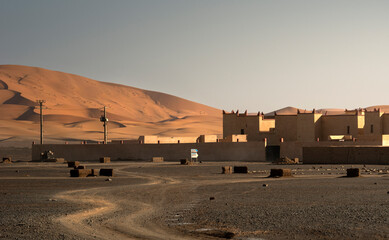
point(41, 116)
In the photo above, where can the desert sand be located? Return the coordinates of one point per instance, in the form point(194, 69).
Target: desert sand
point(171, 201)
point(74, 105)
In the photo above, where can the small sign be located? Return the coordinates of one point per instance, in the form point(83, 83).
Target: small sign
point(194, 155)
point(194, 150)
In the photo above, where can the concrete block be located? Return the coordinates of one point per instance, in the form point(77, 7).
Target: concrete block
point(240, 169)
point(80, 172)
point(353, 172)
point(106, 172)
point(94, 172)
point(158, 159)
point(280, 172)
point(105, 160)
point(73, 164)
point(226, 170)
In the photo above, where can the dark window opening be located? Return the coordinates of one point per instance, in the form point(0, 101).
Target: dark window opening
point(241, 131)
point(371, 128)
point(348, 129)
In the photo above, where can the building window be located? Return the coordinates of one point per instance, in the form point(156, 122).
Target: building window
point(348, 129)
point(371, 128)
point(241, 131)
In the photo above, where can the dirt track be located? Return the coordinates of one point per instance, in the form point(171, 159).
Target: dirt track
point(169, 201)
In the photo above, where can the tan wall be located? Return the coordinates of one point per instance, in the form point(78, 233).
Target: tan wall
point(361, 122)
point(234, 138)
point(271, 137)
point(242, 151)
point(265, 125)
point(295, 149)
point(385, 140)
point(308, 127)
point(337, 125)
point(239, 138)
point(124, 141)
point(234, 124)
point(291, 150)
point(207, 138)
point(373, 119)
point(151, 139)
point(286, 127)
point(346, 155)
point(385, 124)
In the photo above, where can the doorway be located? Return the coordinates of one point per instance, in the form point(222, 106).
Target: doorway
point(272, 153)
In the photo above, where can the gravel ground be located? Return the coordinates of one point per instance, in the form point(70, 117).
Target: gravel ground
point(27, 203)
point(170, 201)
point(336, 208)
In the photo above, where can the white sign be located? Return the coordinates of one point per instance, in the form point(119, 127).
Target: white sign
point(194, 155)
point(194, 150)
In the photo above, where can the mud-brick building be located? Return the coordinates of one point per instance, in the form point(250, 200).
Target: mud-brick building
point(288, 134)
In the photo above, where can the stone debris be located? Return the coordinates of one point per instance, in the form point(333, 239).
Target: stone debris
point(105, 160)
point(187, 162)
point(265, 185)
point(108, 180)
point(80, 172)
point(184, 161)
point(227, 170)
point(280, 172)
point(56, 160)
point(7, 160)
point(95, 172)
point(286, 160)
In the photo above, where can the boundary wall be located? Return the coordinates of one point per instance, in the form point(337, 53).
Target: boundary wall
point(235, 151)
point(346, 155)
point(295, 149)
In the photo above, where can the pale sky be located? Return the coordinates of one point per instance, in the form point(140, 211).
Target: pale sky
point(257, 55)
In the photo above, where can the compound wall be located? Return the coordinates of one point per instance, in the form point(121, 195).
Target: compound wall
point(346, 155)
point(235, 151)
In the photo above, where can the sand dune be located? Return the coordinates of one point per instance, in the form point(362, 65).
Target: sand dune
point(383, 108)
point(284, 111)
point(74, 104)
point(326, 111)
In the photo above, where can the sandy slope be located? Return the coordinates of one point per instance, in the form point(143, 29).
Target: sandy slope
point(74, 105)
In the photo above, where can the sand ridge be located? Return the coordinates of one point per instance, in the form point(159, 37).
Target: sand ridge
point(74, 105)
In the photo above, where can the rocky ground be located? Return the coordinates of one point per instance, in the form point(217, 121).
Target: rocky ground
point(171, 201)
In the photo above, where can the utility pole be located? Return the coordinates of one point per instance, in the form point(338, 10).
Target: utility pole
point(41, 116)
point(104, 119)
